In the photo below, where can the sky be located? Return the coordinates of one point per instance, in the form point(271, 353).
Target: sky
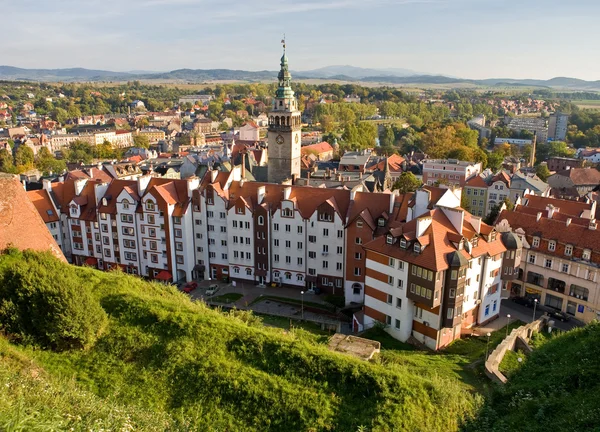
point(464, 38)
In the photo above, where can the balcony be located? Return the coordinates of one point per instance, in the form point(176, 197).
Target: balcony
point(535, 279)
point(556, 285)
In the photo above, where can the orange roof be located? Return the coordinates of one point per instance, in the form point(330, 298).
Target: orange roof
point(567, 207)
point(114, 189)
point(476, 181)
point(20, 223)
point(43, 204)
point(438, 239)
point(395, 162)
point(322, 147)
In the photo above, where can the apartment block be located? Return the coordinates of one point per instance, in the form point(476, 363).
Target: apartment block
point(449, 171)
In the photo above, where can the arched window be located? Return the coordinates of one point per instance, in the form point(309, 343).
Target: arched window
point(249, 272)
point(236, 270)
point(125, 204)
point(277, 121)
point(261, 220)
point(356, 288)
point(149, 205)
point(286, 212)
point(288, 275)
point(287, 119)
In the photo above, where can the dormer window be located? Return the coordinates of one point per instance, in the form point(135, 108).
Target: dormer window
point(475, 241)
point(586, 254)
point(261, 220)
point(359, 224)
point(417, 247)
point(240, 210)
point(552, 246)
point(403, 243)
point(125, 204)
point(73, 209)
point(389, 239)
point(380, 222)
point(325, 217)
point(288, 213)
point(536, 242)
point(568, 250)
point(149, 205)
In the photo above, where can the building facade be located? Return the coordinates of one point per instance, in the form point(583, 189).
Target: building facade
point(449, 171)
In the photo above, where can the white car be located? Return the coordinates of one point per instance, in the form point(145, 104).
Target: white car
point(212, 289)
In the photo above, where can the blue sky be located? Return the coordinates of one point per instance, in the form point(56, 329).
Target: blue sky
point(465, 38)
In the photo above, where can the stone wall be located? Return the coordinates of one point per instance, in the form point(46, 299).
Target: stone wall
point(517, 336)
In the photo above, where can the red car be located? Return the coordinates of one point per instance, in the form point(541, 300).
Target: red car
point(189, 287)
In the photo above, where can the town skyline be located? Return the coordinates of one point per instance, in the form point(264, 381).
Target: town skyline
point(449, 38)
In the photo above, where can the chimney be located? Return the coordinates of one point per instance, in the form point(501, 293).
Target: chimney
point(568, 222)
point(476, 223)
point(287, 192)
point(192, 184)
point(243, 165)
point(539, 216)
point(551, 209)
point(593, 225)
point(47, 185)
point(260, 192)
point(142, 183)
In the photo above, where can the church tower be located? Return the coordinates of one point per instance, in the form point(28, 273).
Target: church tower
point(285, 127)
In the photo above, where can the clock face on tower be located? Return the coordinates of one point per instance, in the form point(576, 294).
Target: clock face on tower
point(279, 139)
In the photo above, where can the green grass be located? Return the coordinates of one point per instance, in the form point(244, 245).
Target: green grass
point(167, 363)
point(555, 389)
point(510, 362)
point(226, 298)
point(474, 347)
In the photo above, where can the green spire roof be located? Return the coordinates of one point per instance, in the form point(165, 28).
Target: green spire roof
point(285, 78)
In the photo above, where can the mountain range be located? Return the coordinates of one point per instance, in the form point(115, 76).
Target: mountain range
point(341, 73)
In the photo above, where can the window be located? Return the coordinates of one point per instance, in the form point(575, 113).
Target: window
point(579, 292)
point(299, 245)
point(358, 240)
point(356, 288)
point(312, 239)
point(223, 230)
point(299, 278)
point(275, 227)
point(261, 220)
point(223, 215)
point(325, 232)
point(536, 242)
point(127, 218)
point(288, 228)
point(390, 299)
point(340, 233)
point(357, 255)
point(586, 254)
point(417, 248)
point(176, 220)
point(418, 312)
point(552, 246)
point(452, 293)
point(151, 219)
point(340, 250)
point(357, 271)
point(399, 303)
point(300, 229)
point(548, 263)
point(325, 264)
point(400, 265)
point(325, 249)
point(288, 259)
point(224, 256)
point(312, 271)
point(107, 252)
point(338, 266)
point(531, 259)
point(312, 254)
point(288, 244)
point(389, 239)
point(153, 245)
point(154, 258)
point(453, 275)
point(391, 280)
point(565, 268)
point(149, 205)
point(403, 243)
point(276, 258)
point(568, 250)
point(178, 232)
point(299, 260)
point(450, 313)
point(388, 320)
point(359, 224)
point(179, 259)
point(400, 283)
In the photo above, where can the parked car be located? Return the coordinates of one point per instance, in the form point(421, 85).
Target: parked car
point(189, 287)
point(212, 289)
point(559, 315)
point(525, 301)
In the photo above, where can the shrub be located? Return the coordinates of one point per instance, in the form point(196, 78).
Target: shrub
point(43, 302)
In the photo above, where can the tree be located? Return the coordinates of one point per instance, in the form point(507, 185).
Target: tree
point(387, 137)
point(141, 141)
point(490, 219)
point(327, 123)
point(465, 203)
point(24, 158)
point(79, 151)
point(6, 162)
point(104, 150)
point(142, 122)
point(542, 172)
point(60, 115)
point(47, 163)
point(495, 160)
point(407, 182)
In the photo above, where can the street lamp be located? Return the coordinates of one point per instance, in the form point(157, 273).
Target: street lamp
point(302, 303)
point(507, 323)
point(487, 347)
point(535, 302)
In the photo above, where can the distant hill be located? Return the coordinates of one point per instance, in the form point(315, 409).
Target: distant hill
point(337, 73)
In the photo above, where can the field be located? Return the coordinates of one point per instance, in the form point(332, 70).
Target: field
point(587, 104)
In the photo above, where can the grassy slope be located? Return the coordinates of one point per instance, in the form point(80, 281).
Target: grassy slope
point(168, 363)
point(556, 389)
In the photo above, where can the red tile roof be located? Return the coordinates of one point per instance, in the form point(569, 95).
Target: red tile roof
point(582, 176)
point(566, 207)
point(43, 204)
point(20, 223)
point(322, 147)
point(476, 181)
